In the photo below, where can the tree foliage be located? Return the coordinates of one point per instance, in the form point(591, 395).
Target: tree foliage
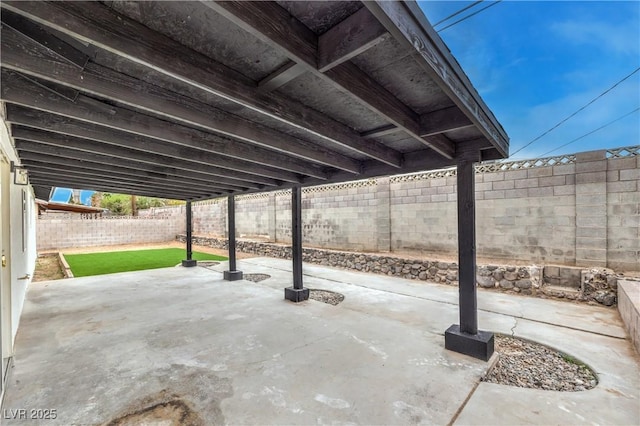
point(120, 204)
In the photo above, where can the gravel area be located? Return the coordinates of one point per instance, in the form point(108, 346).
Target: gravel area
point(326, 296)
point(530, 365)
point(256, 278)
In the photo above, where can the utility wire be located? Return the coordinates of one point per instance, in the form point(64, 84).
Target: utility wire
point(575, 113)
point(591, 132)
point(457, 13)
point(468, 16)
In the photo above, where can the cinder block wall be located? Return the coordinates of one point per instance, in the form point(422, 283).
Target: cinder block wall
point(60, 233)
point(209, 217)
point(623, 213)
point(575, 210)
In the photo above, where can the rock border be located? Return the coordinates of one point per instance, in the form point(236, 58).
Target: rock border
point(592, 285)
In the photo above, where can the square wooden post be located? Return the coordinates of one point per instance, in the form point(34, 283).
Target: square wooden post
point(189, 262)
point(465, 338)
point(297, 293)
point(232, 274)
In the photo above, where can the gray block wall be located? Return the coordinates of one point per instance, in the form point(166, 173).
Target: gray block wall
point(60, 233)
point(574, 210)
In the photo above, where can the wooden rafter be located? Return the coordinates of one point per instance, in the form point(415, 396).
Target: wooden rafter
point(93, 23)
point(272, 24)
point(101, 81)
point(103, 166)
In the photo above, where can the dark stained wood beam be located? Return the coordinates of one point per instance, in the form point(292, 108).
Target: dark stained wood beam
point(47, 122)
point(124, 177)
point(96, 24)
point(139, 156)
point(351, 37)
point(63, 91)
point(408, 25)
point(18, 91)
point(144, 186)
point(380, 131)
point(114, 161)
point(20, 55)
point(42, 192)
point(104, 166)
point(274, 25)
point(280, 77)
point(106, 186)
point(44, 38)
point(444, 120)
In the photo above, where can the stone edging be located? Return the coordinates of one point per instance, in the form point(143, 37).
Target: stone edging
point(66, 269)
point(597, 285)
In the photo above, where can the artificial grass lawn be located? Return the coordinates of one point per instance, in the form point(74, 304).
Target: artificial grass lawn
point(83, 265)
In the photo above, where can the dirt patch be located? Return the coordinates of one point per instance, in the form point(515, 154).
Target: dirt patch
point(48, 268)
point(171, 413)
point(326, 296)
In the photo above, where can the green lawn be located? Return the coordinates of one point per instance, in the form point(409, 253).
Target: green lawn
point(83, 265)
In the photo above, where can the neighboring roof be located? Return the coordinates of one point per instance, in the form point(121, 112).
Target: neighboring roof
point(194, 100)
point(74, 208)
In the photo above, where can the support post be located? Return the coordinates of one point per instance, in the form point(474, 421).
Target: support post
point(296, 293)
point(189, 262)
point(465, 338)
point(232, 274)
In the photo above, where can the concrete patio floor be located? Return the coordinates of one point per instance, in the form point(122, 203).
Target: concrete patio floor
point(183, 344)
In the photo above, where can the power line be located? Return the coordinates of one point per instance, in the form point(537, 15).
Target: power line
point(592, 132)
point(457, 13)
point(468, 16)
point(575, 113)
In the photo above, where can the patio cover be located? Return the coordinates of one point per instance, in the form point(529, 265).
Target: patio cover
point(194, 100)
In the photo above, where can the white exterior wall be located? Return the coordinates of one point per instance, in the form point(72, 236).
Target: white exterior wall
point(22, 261)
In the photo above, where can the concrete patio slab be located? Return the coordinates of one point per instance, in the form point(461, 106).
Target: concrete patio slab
point(182, 342)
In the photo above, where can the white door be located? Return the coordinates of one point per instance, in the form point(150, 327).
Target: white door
point(5, 271)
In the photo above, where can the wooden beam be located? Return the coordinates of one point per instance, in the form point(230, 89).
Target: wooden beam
point(139, 156)
point(96, 24)
point(380, 131)
point(351, 37)
point(408, 25)
point(281, 77)
point(110, 160)
point(60, 125)
point(265, 20)
point(42, 191)
point(124, 177)
point(63, 91)
point(20, 55)
point(61, 181)
point(444, 120)
point(143, 172)
point(113, 181)
point(44, 38)
point(18, 91)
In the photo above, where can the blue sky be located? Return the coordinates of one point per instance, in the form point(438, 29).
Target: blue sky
point(535, 63)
